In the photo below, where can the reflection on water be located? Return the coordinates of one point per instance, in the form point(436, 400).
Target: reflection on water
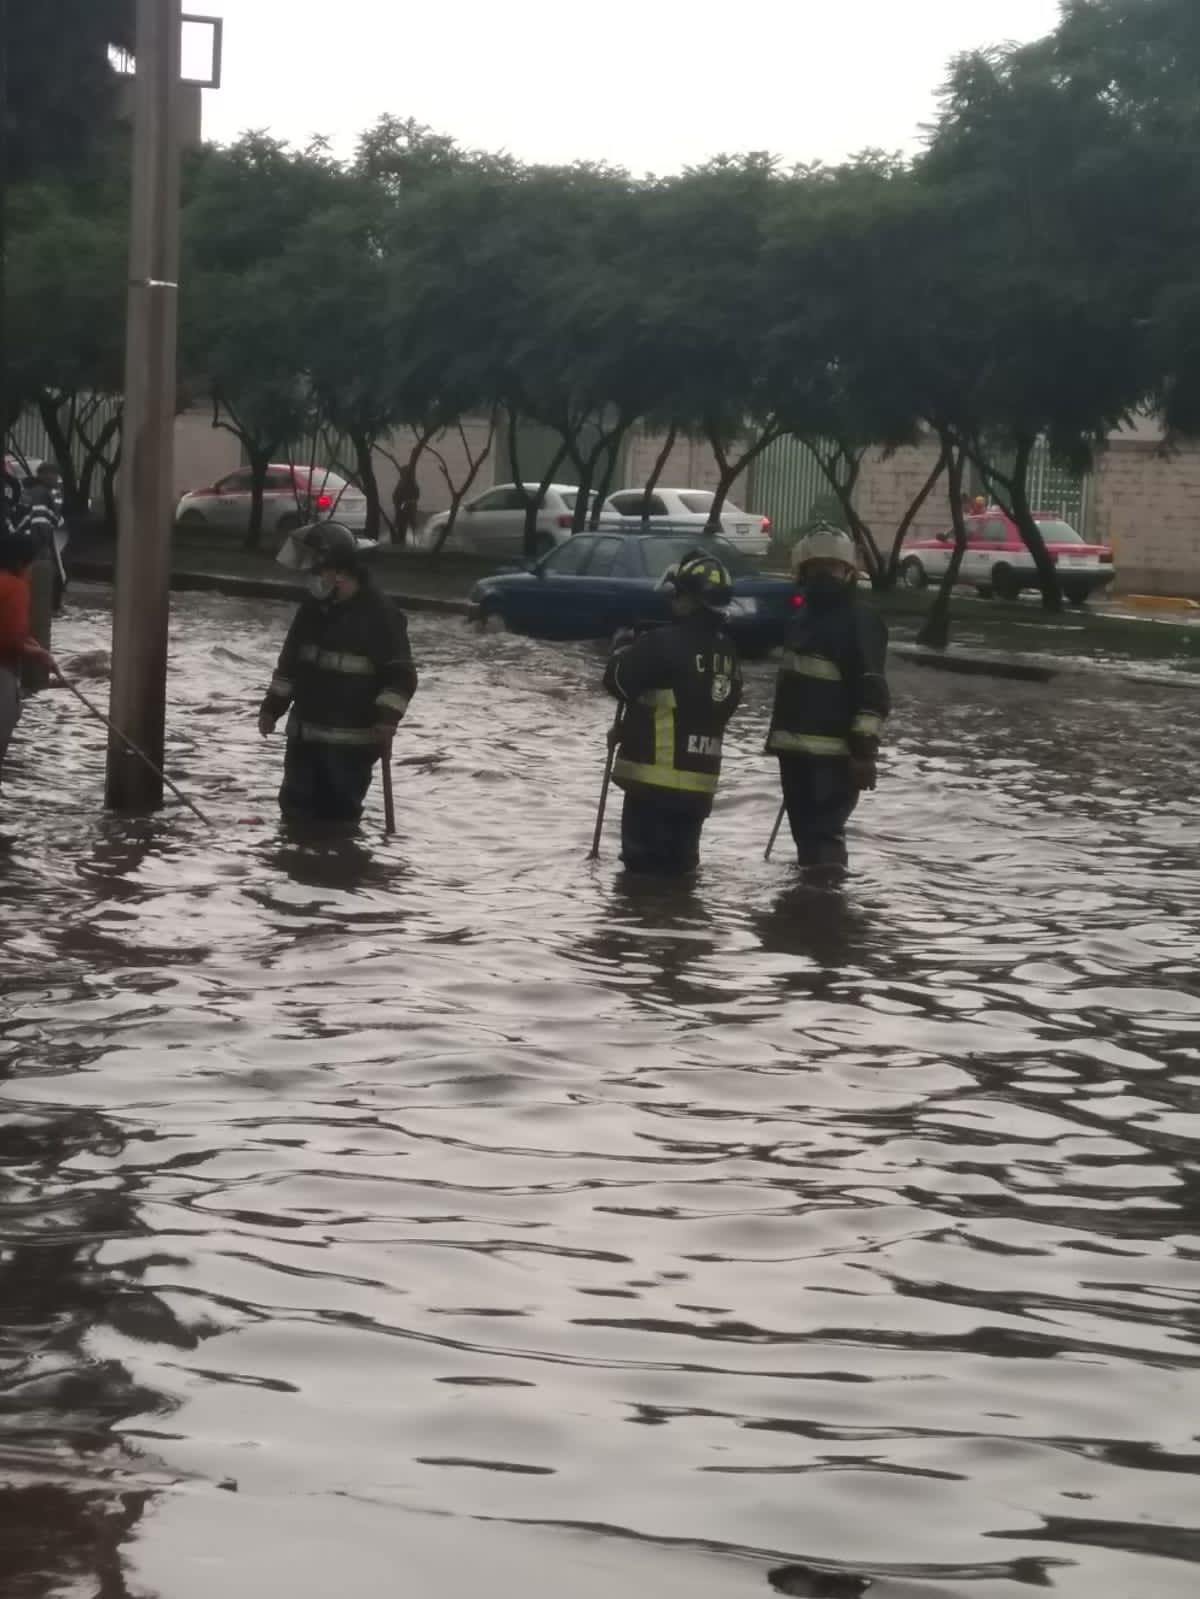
point(454, 1200)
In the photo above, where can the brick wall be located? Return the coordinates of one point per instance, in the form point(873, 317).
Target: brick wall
point(888, 485)
point(1147, 506)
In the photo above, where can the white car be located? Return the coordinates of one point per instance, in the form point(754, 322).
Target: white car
point(292, 497)
point(493, 524)
point(687, 511)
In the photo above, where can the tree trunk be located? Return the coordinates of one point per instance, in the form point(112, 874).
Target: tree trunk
point(656, 472)
point(97, 455)
point(48, 409)
point(108, 484)
point(612, 457)
point(459, 494)
point(729, 471)
point(910, 516)
point(579, 511)
point(532, 503)
point(259, 461)
point(1052, 599)
point(934, 633)
point(364, 462)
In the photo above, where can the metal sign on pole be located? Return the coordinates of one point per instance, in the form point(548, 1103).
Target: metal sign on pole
point(146, 489)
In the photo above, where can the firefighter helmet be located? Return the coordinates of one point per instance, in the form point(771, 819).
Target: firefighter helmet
point(824, 543)
point(704, 578)
point(326, 545)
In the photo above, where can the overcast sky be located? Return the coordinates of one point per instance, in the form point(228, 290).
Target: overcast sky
point(652, 85)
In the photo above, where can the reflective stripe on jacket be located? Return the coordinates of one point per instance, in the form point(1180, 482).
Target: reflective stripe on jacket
point(680, 685)
point(345, 669)
point(831, 695)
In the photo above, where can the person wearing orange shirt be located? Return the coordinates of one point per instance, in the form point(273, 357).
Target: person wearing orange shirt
point(16, 645)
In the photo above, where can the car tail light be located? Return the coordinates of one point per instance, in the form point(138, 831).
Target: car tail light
point(324, 502)
point(797, 602)
point(766, 524)
point(1106, 557)
point(564, 521)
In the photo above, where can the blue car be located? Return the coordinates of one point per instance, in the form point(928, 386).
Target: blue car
point(596, 583)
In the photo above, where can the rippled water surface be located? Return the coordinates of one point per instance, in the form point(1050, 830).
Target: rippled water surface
point(442, 1216)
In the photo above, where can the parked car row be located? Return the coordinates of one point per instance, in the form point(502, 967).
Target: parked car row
point(493, 524)
point(997, 562)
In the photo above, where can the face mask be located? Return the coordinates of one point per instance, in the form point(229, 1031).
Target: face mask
point(823, 591)
point(320, 586)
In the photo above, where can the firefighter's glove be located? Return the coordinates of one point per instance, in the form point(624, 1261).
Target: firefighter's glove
point(864, 773)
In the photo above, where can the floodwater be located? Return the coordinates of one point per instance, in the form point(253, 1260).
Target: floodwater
point(442, 1216)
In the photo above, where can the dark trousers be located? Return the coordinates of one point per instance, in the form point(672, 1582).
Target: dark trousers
point(820, 799)
point(658, 838)
point(325, 782)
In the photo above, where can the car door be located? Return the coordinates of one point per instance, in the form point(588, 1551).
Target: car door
point(230, 506)
point(494, 524)
point(551, 607)
point(606, 592)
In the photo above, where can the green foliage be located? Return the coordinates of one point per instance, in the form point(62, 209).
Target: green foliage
point(62, 90)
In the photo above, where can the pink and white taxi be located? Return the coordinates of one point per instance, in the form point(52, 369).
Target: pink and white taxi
point(997, 562)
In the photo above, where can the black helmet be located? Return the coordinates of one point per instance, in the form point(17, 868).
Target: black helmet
point(705, 578)
point(322, 545)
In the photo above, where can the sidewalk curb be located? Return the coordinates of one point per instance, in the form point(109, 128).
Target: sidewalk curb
point(263, 588)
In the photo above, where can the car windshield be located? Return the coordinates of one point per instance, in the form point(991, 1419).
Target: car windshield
point(660, 555)
point(1055, 532)
point(700, 503)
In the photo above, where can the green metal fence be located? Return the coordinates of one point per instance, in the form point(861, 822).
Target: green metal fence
point(784, 483)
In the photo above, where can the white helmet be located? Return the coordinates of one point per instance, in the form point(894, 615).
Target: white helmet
point(824, 543)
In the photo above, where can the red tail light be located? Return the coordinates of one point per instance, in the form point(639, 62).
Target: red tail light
point(766, 524)
point(1106, 558)
point(797, 602)
point(565, 521)
point(324, 502)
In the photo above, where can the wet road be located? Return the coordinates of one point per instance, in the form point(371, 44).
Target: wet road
point(442, 1217)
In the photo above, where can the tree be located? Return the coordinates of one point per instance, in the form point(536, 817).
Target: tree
point(62, 89)
point(1028, 161)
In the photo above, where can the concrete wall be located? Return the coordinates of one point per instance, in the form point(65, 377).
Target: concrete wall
point(888, 485)
point(690, 464)
point(203, 454)
point(1147, 506)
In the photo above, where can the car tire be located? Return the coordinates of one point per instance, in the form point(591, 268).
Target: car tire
point(1077, 597)
point(1006, 585)
point(984, 591)
point(192, 519)
point(913, 574)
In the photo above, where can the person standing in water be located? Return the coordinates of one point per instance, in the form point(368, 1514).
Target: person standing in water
point(679, 685)
point(16, 643)
point(345, 674)
point(831, 698)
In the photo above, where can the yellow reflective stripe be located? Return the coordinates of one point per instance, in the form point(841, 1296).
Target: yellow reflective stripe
point(391, 700)
point(811, 666)
point(315, 733)
point(337, 661)
point(806, 744)
point(658, 776)
point(658, 698)
point(867, 723)
point(281, 686)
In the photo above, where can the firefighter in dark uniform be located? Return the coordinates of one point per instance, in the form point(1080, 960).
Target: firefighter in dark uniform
point(678, 686)
point(345, 674)
point(831, 698)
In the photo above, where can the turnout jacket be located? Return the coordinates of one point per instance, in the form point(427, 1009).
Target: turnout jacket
point(679, 685)
point(345, 669)
point(831, 695)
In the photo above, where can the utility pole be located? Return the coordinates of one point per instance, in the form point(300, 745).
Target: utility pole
point(141, 604)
